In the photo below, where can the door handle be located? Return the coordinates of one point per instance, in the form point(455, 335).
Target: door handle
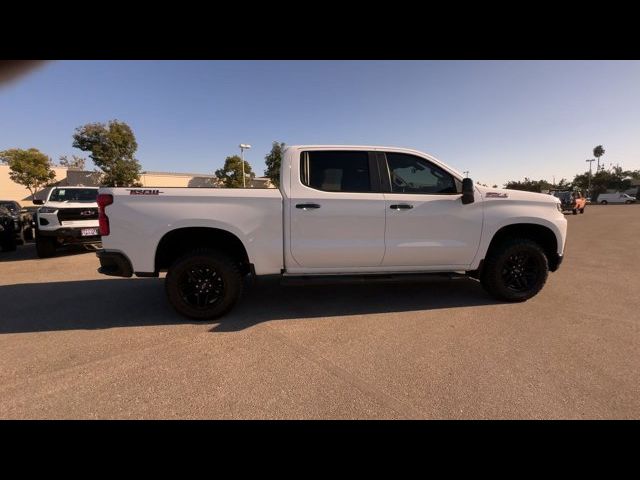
point(307, 206)
point(402, 206)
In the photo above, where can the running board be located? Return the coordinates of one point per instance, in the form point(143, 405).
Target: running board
point(329, 279)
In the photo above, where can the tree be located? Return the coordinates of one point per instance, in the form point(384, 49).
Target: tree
point(617, 179)
point(598, 152)
point(231, 174)
point(273, 161)
point(75, 163)
point(528, 185)
point(30, 168)
point(112, 148)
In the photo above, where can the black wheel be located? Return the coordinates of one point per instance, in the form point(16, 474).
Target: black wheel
point(27, 234)
point(628, 202)
point(603, 202)
point(515, 270)
point(9, 244)
point(203, 284)
point(575, 212)
point(45, 246)
point(582, 210)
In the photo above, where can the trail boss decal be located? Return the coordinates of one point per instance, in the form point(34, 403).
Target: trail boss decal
point(144, 192)
point(496, 195)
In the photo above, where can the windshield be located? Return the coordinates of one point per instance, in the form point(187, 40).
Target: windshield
point(12, 207)
point(74, 195)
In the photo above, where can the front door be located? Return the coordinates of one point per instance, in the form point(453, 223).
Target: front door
point(427, 224)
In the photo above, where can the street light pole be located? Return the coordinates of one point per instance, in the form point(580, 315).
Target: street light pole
point(590, 162)
point(243, 147)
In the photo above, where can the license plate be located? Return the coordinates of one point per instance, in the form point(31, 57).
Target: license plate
point(89, 232)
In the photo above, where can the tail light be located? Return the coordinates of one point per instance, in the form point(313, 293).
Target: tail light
point(104, 199)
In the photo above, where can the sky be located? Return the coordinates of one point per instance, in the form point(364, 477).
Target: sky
point(500, 120)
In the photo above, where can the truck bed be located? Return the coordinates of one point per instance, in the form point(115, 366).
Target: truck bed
point(253, 215)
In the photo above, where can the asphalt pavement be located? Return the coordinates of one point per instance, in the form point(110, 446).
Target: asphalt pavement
point(76, 344)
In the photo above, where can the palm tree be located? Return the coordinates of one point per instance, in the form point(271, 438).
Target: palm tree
point(598, 152)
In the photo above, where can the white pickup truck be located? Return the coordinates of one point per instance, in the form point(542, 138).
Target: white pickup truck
point(340, 212)
point(69, 216)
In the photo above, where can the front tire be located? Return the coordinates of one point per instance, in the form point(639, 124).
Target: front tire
point(582, 210)
point(603, 202)
point(203, 284)
point(515, 270)
point(45, 246)
point(575, 212)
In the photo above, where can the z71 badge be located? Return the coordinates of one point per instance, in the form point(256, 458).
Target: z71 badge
point(144, 192)
point(496, 195)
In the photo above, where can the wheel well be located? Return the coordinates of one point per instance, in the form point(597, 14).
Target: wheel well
point(543, 236)
point(178, 242)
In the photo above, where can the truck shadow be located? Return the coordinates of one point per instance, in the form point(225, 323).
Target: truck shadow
point(111, 303)
point(28, 252)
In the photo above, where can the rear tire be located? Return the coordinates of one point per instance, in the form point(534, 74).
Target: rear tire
point(45, 246)
point(628, 202)
point(582, 210)
point(603, 202)
point(515, 270)
point(575, 212)
point(203, 284)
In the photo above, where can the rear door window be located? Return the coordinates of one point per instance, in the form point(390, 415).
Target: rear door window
point(336, 171)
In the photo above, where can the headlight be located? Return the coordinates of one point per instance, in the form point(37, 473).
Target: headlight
point(47, 210)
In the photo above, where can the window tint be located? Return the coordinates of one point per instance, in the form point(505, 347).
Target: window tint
point(74, 195)
point(411, 174)
point(336, 171)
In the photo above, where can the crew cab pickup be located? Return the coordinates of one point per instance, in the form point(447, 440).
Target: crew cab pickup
point(340, 212)
point(69, 215)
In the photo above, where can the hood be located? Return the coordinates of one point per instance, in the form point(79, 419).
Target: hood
point(505, 193)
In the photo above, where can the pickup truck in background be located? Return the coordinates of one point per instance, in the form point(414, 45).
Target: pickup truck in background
point(340, 212)
point(68, 216)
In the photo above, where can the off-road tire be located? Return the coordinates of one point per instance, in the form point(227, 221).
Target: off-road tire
point(45, 246)
point(203, 269)
point(497, 269)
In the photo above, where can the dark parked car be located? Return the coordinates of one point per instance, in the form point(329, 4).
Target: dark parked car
point(23, 220)
point(7, 230)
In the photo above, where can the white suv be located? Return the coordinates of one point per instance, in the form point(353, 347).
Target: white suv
point(69, 215)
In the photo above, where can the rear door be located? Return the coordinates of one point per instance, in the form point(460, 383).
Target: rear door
point(337, 211)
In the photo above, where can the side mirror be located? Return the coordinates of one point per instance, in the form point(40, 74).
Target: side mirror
point(37, 201)
point(467, 191)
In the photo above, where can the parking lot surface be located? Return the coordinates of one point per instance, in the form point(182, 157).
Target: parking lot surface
point(76, 344)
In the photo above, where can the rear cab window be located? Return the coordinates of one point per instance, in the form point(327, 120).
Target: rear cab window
point(339, 171)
